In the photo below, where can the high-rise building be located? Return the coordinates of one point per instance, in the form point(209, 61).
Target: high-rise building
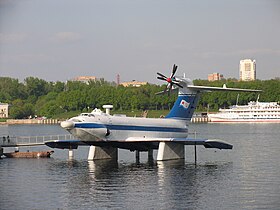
point(118, 79)
point(85, 79)
point(133, 83)
point(215, 77)
point(247, 70)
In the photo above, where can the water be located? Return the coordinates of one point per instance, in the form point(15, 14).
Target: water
point(248, 177)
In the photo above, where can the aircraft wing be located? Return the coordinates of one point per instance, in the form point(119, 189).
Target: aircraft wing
point(64, 144)
point(207, 143)
point(224, 88)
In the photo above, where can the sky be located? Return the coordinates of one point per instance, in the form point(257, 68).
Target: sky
point(57, 40)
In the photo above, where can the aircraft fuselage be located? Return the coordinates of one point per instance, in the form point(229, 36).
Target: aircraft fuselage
point(96, 127)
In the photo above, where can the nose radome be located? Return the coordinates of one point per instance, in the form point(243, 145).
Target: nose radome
point(67, 124)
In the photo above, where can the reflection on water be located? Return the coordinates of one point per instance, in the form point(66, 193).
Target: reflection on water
point(245, 178)
point(105, 184)
point(189, 182)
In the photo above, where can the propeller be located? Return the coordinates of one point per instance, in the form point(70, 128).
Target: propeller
point(171, 80)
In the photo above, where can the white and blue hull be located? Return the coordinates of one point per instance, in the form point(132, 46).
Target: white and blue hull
point(121, 128)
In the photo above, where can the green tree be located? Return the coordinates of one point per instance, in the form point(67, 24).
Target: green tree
point(20, 110)
point(11, 89)
point(36, 87)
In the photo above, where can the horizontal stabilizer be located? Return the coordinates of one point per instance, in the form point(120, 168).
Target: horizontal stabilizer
point(224, 88)
point(173, 90)
point(64, 144)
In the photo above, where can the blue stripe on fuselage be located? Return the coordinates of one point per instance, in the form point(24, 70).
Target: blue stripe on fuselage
point(89, 125)
point(130, 127)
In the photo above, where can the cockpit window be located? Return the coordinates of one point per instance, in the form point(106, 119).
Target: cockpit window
point(84, 114)
point(76, 120)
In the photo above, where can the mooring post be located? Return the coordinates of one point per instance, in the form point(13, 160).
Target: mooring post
point(1, 152)
point(71, 153)
point(195, 156)
point(150, 155)
point(137, 156)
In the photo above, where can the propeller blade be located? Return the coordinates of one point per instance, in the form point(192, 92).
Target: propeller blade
point(178, 85)
point(175, 68)
point(177, 82)
point(161, 75)
point(161, 78)
point(166, 88)
point(170, 88)
point(171, 81)
point(174, 71)
point(168, 85)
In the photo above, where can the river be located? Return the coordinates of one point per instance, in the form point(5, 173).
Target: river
point(247, 177)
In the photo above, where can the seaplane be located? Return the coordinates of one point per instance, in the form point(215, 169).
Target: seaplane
point(105, 133)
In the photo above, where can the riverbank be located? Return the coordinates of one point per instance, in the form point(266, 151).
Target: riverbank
point(195, 119)
point(30, 121)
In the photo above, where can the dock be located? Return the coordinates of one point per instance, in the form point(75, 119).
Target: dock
point(19, 141)
point(26, 141)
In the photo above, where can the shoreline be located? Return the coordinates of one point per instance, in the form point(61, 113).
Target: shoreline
point(58, 121)
point(30, 121)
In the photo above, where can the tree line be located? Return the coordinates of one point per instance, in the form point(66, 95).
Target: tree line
point(37, 97)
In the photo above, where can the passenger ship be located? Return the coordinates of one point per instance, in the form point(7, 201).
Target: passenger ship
point(253, 112)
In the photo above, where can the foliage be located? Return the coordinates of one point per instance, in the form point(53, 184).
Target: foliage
point(54, 99)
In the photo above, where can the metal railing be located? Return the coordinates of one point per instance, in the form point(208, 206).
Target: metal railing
point(15, 141)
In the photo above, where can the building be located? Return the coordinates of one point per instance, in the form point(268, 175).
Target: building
point(215, 77)
point(84, 79)
point(247, 70)
point(4, 110)
point(118, 79)
point(133, 83)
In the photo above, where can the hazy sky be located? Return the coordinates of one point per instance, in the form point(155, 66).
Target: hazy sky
point(61, 39)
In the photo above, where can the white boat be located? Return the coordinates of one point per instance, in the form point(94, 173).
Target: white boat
point(255, 111)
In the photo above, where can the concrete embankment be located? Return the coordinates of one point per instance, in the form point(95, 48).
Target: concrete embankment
point(56, 121)
point(32, 121)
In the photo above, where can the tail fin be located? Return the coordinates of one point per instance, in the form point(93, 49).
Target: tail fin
point(184, 106)
point(189, 94)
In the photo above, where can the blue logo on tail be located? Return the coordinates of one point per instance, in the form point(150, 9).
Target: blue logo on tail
point(184, 107)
